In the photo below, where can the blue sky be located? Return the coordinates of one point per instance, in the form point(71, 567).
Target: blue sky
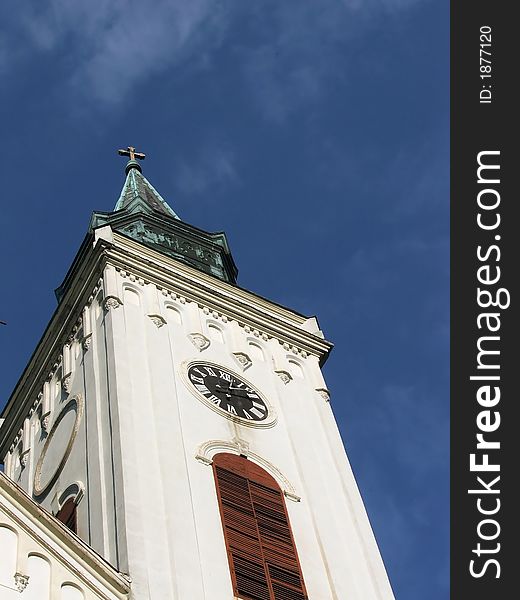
point(315, 133)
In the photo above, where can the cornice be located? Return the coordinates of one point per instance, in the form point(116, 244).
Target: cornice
point(236, 303)
point(61, 535)
point(169, 235)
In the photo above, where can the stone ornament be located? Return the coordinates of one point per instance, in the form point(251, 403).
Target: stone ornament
point(24, 457)
point(200, 341)
point(75, 492)
point(157, 320)
point(66, 382)
point(284, 376)
point(243, 360)
point(324, 393)
point(294, 349)
point(111, 302)
point(207, 450)
point(46, 421)
point(21, 581)
point(87, 342)
point(242, 445)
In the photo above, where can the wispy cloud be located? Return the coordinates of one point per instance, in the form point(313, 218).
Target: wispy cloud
point(213, 169)
point(299, 48)
point(114, 45)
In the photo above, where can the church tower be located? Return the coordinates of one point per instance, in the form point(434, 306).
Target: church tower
point(180, 425)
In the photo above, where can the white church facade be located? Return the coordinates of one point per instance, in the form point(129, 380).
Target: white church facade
point(172, 437)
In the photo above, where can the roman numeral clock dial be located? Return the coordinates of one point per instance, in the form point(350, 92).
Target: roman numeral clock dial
point(229, 394)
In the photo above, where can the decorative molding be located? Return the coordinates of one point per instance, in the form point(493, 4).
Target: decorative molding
point(200, 341)
point(293, 349)
point(285, 376)
point(26, 436)
point(243, 360)
point(21, 581)
point(214, 313)
point(291, 496)
point(46, 421)
point(66, 381)
point(242, 445)
point(217, 314)
point(203, 459)
point(75, 491)
point(158, 320)
point(207, 451)
point(208, 310)
point(256, 332)
point(87, 342)
point(111, 302)
point(324, 393)
point(24, 457)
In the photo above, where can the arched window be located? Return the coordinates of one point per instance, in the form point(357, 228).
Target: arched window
point(262, 555)
point(67, 515)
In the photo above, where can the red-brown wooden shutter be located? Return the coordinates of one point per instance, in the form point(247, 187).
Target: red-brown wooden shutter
point(261, 552)
point(67, 515)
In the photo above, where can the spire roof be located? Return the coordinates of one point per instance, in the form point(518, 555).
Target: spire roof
point(136, 190)
point(143, 215)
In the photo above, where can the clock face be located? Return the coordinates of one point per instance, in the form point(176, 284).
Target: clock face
point(58, 446)
point(227, 391)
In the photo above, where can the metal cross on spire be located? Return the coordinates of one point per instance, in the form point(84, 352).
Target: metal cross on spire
point(130, 151)
point(133, 155)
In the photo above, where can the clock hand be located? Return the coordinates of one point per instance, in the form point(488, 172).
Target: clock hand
point(223, 390)
point(241, 394)
point(221, 387)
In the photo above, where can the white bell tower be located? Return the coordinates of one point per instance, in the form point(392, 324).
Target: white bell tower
point(181, 424)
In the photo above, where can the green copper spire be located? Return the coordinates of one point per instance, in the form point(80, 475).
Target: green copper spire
point(143, 215)
point(138, 194)
point(138, 190)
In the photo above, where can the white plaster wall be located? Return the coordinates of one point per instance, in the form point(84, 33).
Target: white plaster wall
point(39, 572)
point(8, 552)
